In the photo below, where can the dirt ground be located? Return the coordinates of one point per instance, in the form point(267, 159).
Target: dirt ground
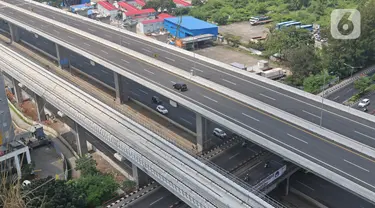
point(244, 30)
point(29, 110)
point(104, 167)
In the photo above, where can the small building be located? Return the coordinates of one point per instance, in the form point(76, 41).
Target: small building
point(189, 26)
point(80, 7)
point(140, 15)
point(181, 3)
point(137, 3)
point(106, 9)
point(164, 15)
point(127, 7)
point(150, 26)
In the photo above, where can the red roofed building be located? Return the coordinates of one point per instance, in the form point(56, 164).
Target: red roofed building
point(181, 3)
point(106, 9)
point(140, 3)
point(164, 15)
point(127, 7)
point(149, 26)
point(137, 3)
point(140, 15)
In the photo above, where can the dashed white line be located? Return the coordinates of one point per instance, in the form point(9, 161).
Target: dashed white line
point(10, 12)
point(71, 37)
point(125, 61)
point(250, 117)
point(56, 31)
point(134, 93)
point(305, 185)
point(186, 121)
point(357, 166)
point(271, 98)
point(156, 201)
point(108, 36)
point(197, 69)
point(125, 42)
point(169, 59)
point(104, 51)
point(350, 90)
point(87, 44)
point(294, 137)
point(364, 135)
point(105, 72)
point(229, 82)
point(144, 92)
point(233, 156)
point(311, 114)
point(210, 98)
point(173, 82)
point(149, 71)
point(336, 97)
point(43, 25)
point(45, 42)
point(146, 50)
point(75, 24)
point(91, 29)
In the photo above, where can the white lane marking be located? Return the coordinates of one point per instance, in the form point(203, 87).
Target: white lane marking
point(169, 59)
point(125, 42)
point(336, 97)
point(210, 98)
point(305, 185)
point(146, 50)
point(173, 82)
point(364, 135)
point(357, 166)
point(10, 12)
point(185, 120)
point(229, 82)
point(250, 117)
point(294, 137)
point(254, 166)
point(87, 44)
point(156, 201)
point(104, 51)
point(197, 69)
point(92, 30)
point(144, 92)
point(43, 25)
point(149, 71)
point(251, 149)
point(104, 72)
point(125, 61)
point(45, 42)
point(108, 36)
point(53, 17)
point(75, 24)
point(56, 31)
point(267, 96)
point(311, 114)
point(134, 93)
point(350, 90)
point(71, 37)
point(233, 156)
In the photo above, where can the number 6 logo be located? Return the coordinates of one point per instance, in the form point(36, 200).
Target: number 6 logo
point(345, 24)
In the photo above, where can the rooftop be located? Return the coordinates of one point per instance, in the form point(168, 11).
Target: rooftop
point(164, 15)
point(127, 7)
point(106, 5)
point(181, 2)
point(191, 23)
point(143, 11)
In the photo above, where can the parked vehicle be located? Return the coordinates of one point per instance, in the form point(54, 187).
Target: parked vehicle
point(156, 100)
point(365, 102)
point(259, 20)
point(219, 133)
point(275, 73)
point(180, 86)
point(161, 109)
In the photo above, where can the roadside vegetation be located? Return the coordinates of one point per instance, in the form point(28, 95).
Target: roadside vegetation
point(364, 85)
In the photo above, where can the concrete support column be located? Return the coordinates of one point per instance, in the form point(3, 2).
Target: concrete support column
point(40, 103)
point(58, 55)
point(118, 87)
point(17, 91)
point(287, 186)
point(14, 32)
point(28, 157)
point(18, 167)
point(81, 141)
point(140, 177)
point(201, 123)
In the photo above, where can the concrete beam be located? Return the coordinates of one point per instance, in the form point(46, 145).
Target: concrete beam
point(39, 104)
point(140, 177)
point(14, 32)
point(201, 123)
point(81, 141)
point(17, 91)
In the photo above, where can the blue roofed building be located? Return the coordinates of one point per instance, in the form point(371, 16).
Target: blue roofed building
point(189, 26)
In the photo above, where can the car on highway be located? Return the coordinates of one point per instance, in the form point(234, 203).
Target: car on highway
point(156, 100)
point(364, 103)
point(180, 86)
point(161, 109)
point(219, 133)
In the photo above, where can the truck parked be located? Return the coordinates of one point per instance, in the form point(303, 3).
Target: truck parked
point(260, 20)
point(275, 73)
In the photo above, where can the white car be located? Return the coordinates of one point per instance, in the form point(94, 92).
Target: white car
point(364, 103)
point(219, 133)
point(161, 109)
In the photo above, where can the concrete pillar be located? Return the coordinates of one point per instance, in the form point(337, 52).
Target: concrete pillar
point(17, 91)
point(118, 85)
point(28, 157)
point(58, 55)
point(287, 186)
point(14, 32)
point(202, 136)
point(81, 141)
point(40, 103)
point(18, 167)
point(140, 177)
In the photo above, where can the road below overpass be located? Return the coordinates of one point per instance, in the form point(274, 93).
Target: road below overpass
point(345, 162)
point(336, 120)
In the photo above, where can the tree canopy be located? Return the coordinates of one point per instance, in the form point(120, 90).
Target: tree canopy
point(163, 5)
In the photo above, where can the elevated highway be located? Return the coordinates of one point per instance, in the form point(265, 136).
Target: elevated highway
point(188, 178)
point(346, 167)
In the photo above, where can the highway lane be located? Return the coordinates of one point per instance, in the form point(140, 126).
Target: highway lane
point(333, 119)
point(325, 192)
point(349, 164)
point(161, 198)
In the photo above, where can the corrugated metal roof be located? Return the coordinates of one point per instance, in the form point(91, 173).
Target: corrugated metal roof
point(107, 5)
point(143, 11)
point(182, 2)
point(164, 15)
point(127, 6)
point(152, 21)
point(191, 23)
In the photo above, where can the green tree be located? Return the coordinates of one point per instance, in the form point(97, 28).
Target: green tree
point(51, 193)
point(196, 3)
point(154, 4)
point(86, 165)
point(220, 18)
point(315, 83)
point(128, 185)
point(98, 188)
point(181, 11)
point(373, 77)
point(362, 83)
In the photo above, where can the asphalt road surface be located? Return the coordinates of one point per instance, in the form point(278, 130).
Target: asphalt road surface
point(333, 119)
point(345, 162)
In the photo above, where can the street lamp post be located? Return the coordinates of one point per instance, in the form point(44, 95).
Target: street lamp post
point(321, 109)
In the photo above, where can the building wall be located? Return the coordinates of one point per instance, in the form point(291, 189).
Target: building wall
point(149, 28)
point(140, 18)
point(106, 12)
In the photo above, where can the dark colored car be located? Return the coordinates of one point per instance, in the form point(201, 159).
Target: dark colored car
point(180, 86)
point(156, 100)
